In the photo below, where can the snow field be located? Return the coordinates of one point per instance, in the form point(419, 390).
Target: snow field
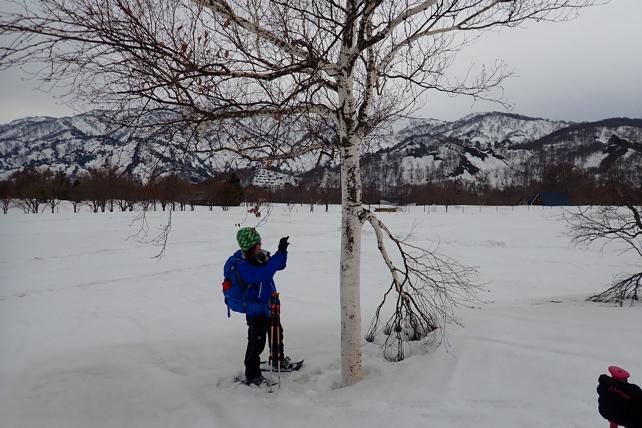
point(94, 332)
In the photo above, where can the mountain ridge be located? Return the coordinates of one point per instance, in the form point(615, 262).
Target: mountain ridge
point(491, 148)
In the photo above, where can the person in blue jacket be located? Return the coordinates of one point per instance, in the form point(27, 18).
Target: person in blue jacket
point(256, 268)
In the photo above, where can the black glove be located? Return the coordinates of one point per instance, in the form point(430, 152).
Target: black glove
point(283, 244)
point(620, 402)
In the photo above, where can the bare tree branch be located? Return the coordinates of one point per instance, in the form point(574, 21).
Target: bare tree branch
point(611, 224)
point(428, 286)
point(158, 240)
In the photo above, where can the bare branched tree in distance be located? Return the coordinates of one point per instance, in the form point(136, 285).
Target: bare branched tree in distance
point(29, 189)
point(97, 187)
point(6, 193)
point(620, 224)
point(55, 187)
point(202, 68)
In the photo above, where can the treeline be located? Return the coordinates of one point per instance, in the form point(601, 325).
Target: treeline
point(580, 187)
point(108, 189)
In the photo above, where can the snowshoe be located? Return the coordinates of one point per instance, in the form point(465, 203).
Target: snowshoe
point(286, 365)
point(257, 381)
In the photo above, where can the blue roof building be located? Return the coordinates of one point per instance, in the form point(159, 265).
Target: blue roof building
point(550, 199)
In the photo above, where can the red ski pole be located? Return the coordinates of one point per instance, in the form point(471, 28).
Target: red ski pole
point(621, 375)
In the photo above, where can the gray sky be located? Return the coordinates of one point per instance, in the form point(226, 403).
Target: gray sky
point(587, 69)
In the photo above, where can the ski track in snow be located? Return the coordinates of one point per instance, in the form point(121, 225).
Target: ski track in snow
point(95, 333)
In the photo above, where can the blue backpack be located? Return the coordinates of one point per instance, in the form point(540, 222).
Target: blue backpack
point(235, 290)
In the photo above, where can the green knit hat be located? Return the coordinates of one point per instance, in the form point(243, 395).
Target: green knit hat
point(247, 237)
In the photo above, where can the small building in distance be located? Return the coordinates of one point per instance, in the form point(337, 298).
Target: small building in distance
point(550, 199)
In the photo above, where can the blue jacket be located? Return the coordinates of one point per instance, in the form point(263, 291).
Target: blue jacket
point(259, 279)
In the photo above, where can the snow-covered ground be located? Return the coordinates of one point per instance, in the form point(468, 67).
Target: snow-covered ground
point(96, 333)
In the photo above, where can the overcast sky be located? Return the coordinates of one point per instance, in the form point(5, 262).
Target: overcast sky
point(587, 69)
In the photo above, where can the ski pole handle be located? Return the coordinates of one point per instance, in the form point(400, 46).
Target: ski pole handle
point(621, 375)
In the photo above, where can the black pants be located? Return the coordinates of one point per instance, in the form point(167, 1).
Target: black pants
point(258, 328)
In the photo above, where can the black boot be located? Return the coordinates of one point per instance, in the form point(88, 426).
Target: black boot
point(257, 380)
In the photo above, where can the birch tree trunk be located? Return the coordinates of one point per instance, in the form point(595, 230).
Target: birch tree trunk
point(350, 265)
point(351, 223)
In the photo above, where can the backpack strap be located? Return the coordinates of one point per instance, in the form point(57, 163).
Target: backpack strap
point(242, 284)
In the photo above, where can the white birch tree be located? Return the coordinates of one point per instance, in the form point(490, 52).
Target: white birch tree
point(329, 66)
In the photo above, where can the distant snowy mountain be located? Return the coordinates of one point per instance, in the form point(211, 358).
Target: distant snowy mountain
point(504, 149)
point(503, 128)
point(495, 149)
point(75, 144)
